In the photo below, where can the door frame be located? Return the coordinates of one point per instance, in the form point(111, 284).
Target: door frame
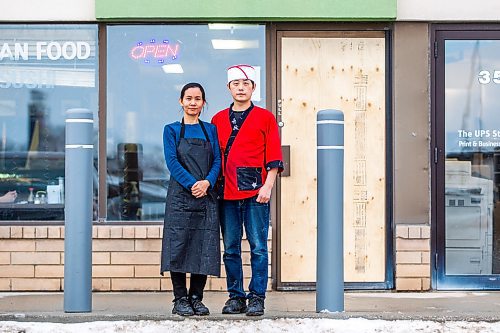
point(278, 31)
point(439, 34)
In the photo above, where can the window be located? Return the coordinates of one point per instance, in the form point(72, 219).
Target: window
point(44, 71)
point(146, 68)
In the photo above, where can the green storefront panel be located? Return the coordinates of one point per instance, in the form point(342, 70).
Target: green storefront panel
point(255, 10)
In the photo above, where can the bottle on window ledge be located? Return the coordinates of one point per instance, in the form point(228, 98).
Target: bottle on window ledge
point(31, 197)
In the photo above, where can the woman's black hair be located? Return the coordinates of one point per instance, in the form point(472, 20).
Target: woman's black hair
point(193, 85)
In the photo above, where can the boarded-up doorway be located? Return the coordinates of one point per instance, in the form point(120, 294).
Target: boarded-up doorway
point(344, 71)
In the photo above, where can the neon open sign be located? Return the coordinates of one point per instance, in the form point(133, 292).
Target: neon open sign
point(155, 51)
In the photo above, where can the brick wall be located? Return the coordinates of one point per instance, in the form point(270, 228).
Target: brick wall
point(413, 257)
point(127, 258)
point(124, 258)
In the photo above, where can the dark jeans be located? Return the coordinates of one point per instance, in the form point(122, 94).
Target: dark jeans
point(196, 287)
point(254, 217)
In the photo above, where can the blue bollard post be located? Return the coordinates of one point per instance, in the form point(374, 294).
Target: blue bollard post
point(330, 247)
point(78, 211)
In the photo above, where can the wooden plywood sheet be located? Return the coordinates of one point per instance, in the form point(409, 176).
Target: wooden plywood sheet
point(346, 74)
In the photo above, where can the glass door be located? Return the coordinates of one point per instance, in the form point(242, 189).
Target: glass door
point(467, 156)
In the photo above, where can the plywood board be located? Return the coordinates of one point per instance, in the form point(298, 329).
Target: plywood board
point(347, 74)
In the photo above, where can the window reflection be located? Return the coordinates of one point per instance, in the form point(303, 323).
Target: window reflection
point(44, 71)
point(147, 67)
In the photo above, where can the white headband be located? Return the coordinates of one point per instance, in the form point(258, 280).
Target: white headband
point(240, 72)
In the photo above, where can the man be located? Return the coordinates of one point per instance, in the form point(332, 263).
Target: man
point(251, 159)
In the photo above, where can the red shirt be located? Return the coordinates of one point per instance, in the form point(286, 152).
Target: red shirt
point(255, 148)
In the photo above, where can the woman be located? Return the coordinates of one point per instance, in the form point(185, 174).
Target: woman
point(191, 238)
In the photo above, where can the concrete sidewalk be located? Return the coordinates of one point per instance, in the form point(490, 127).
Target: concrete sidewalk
point(435, 306)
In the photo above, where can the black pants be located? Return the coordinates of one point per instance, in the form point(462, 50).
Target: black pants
point(196, 287)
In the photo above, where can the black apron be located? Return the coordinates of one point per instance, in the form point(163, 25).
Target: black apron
point(191, 234)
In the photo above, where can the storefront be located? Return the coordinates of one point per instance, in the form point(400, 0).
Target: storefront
point(128, 68)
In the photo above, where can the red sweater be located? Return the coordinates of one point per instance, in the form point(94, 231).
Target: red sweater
point(256, 146)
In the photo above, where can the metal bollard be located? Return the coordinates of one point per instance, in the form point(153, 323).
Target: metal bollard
point(78, 211)
point(330, 247)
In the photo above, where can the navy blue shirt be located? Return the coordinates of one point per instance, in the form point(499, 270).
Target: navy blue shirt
point(171, 137)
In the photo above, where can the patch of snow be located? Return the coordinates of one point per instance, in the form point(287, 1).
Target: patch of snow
point(352, 325)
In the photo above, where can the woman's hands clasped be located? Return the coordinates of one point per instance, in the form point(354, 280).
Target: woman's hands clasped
point(200, 188)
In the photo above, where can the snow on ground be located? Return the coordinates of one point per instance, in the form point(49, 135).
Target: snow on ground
point(353, 325)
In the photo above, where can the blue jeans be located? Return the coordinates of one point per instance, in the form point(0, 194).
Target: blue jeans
point(255, 217)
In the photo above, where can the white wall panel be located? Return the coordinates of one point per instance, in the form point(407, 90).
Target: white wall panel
point(47, 10)
point(448, 10)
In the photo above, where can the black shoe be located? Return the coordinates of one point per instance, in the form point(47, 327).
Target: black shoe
point(235, 305)
point(255, 306)
point(198, 307)
point(182, 307)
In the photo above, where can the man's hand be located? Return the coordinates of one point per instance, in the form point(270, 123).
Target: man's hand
point(264, 194)
point(200, 188)
point(265, 191)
